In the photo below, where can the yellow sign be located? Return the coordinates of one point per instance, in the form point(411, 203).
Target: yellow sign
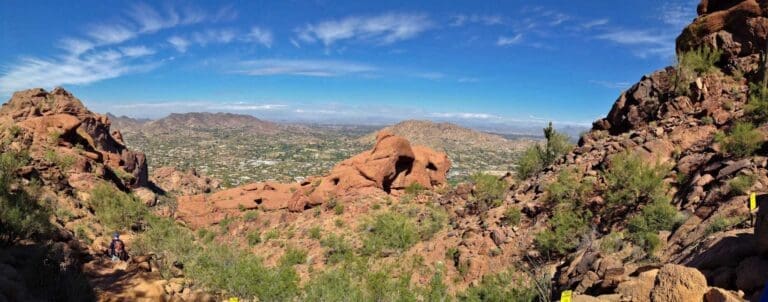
point(752, 201)
point(566, 296)
point(234, 299)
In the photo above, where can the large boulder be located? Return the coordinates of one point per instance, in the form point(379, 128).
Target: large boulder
point(677, 283)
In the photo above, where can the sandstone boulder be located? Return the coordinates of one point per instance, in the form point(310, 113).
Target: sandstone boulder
point(677, 283)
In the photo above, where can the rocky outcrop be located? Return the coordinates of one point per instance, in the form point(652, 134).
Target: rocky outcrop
point(189, 182)
point(58, 124)
point(391, 166)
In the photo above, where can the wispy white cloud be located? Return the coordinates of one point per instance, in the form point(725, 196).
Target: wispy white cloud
point(678, 13)
point(137, 51)
point(100, 52)
point(468, 80)
point(75, 70)
point(179, 43)
point(430, 75)
point(105, 34)
point(260, 35)
point(644, 43)
point(462, 19)
point(594, 23)
point(213, 36)
point(381, 29)
point(313, 68)
point(509, 40)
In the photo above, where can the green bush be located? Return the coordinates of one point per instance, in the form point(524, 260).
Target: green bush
point(390, 230)
point(253, 237)
point(741, 184)
point(489, 189)
point(414, 188)
point(655, 217)
point(742, 141)
point(529, 163)
point(569, 187)
point(337, 249)
point(501, 287)
point(723, 223)
point(64, 162)
point(21, 214)
point(700, 61)
point(567, 227)
point(535, 158)
point(632, 181)
point(315, 232)
point(757, 106)
point(612, 243)
point(333, 285)
point(116, 209)
point(294, 256)
point(250, 216)
point(437, 290)
point(512, 216)
point(338, 209)
point(431, 221)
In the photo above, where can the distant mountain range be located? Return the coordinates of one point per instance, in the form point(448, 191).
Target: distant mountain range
point(448, 136)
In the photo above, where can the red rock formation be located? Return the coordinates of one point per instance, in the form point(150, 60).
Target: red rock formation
point(392, 165)
point(61, 116)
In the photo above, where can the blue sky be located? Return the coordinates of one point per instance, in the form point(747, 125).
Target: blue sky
point(472, 62)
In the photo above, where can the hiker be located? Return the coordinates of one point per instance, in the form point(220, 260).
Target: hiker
point(117, 248)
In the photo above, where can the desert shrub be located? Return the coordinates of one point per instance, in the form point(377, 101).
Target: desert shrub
point(505, 286)
point(338, 209)
point(757, 106)
point(431, 221)
point(334, 285)
point(567, 226)
point(569, 187)
point(700, 61)
point(389, 230)
point(168, 240)
point(537, 157)
point(337, 249)
point(253, 237)
point(414, 188)
point(742, 140)
point(632, 181)
point(22, 215)
point(271, 234)
point(707, 120)
point(243, 274)
point(315, 232)
point(489, 189)
point(63, 161)
point(655, 217)
point(723, 223)
point(116, 209)
point(529, 163)
point(205, 235)
point(437, 290)
point(512, 216)
point(250, 216)
point(294, 256)
point(741, 184)
point(612, 242)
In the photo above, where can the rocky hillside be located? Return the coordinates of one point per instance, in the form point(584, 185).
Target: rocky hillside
point(210, 121)
point(448, 136)
point(651, 205)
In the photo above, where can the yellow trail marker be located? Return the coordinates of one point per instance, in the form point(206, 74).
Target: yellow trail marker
point(752, 202)
point(566, 296)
